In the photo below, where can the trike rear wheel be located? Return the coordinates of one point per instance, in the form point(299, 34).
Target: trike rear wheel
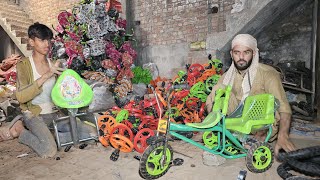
point(150, 162)
point(259, 157)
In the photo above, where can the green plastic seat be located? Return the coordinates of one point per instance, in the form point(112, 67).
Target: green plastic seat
point(219, 110)
point(71, 91)
point(258, 111)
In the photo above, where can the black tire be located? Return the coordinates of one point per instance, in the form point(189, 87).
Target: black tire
point(305, 161)
point(307, 168)
point(259, 157)
point(283, 171)
point(314, 160)
point(146, 166)
point(304, 153)
point(298, 178)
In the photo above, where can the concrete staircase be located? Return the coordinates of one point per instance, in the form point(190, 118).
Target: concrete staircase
point(15, 21)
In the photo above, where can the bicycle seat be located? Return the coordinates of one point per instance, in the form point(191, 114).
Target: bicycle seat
point(258, 111)
point(71, 91)
point(219, 110)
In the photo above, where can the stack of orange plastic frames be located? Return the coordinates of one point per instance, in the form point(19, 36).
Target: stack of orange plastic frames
point(122, 130)
point(106, 124)
point(121, 142)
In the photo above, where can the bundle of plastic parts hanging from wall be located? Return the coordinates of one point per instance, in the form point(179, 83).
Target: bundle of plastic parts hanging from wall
point(92, 40)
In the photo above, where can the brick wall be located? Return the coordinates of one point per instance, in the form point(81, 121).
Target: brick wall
point(46, 11)
point(165, 22)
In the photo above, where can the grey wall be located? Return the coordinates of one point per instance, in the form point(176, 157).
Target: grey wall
point(289, 39)
point(168, 58)
point(283, 29)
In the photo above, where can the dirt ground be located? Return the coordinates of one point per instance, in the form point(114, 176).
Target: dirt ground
point(93, 163)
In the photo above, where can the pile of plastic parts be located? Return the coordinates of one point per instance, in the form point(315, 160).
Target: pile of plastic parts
point(8, 69)
point(92, 40)
point(305, 164)
point(128, 128)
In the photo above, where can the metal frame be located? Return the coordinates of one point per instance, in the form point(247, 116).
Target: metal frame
point(74, 132)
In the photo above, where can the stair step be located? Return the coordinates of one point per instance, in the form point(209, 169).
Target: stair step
point(19, 22)
point(24, 40)
point(29, 47)
point(10, 8)
point(9, 5)
point(19, 27)
point(12, 11)
point(14, 16)
point(21, 33)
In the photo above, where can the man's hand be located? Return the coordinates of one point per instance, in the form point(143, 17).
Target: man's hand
point(51, 72)
point(283, 141)
point(285, 144)
point(56, 70)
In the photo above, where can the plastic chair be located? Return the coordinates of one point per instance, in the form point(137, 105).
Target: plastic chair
point(258, 111)
point(72, 92)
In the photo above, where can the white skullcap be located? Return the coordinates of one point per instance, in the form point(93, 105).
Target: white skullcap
point(245, 40)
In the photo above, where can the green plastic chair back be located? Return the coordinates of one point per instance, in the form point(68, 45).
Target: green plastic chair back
point(258, 111)
point(71, 91)
point(219, 109)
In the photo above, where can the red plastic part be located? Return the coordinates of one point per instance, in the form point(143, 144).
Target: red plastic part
point(140, 140)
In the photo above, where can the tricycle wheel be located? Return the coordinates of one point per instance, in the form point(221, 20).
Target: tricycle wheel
point(259, 157)
point(150, 162)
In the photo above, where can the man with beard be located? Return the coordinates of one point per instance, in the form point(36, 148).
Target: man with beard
point(249, 77)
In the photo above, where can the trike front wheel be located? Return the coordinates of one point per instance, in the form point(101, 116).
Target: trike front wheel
point(152, 165)
point(259, 157)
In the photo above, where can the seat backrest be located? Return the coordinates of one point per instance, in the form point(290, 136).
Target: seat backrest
point(71, 91)
point(259, 107)
point(221, 100)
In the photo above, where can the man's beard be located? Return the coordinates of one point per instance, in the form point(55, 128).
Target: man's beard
point(244, 64)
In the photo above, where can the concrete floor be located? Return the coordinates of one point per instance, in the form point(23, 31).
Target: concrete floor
point(93, 163)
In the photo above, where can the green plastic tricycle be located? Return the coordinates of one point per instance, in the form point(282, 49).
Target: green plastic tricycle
point(222, 135)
